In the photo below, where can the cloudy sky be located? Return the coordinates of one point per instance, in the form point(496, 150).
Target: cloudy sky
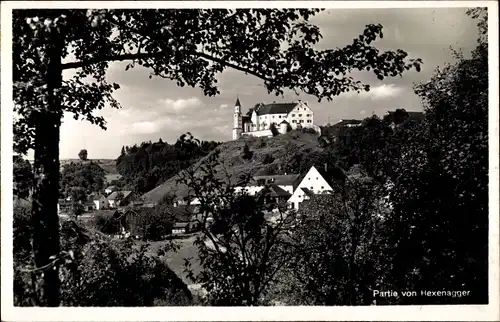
point(157, 108)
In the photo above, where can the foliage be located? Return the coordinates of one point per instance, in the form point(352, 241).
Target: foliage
point(440, 189)
point(83, 154)
point(338, 248)
point(246, 154)
point(240, 249)
point(152, 224)
point(268, 158)
point(23, 177)
point(107, 223)
point(146, 166)
point(88, 177)
point(273, 129)
point(435, 173)
point(97, 272)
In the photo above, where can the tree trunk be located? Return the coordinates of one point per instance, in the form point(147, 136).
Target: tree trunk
point(46, 188)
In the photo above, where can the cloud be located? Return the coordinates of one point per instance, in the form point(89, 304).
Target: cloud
point(145, 127)
point(180, 105)
point(376, 93)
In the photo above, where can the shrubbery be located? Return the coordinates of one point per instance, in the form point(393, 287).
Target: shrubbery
point(106, 223)
point(96, 270)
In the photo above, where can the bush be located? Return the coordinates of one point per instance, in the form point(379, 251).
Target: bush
point(247, 154)
point(274, 130)
point(152, 224)
point(308, 130)
point(260, 143)
point(268, 159)
point(102, 272)
point(106, 223)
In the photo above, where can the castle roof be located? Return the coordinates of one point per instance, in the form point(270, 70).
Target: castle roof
point(237, 102)
point(246, 119)
point(275, 108)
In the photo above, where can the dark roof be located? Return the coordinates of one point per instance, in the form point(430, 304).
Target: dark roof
point(283, 180)
point(115, 194)
point(181, 225)
point(276, 108)
point(284, 121)
point(237, 102)
point(308, 192)
point(276, 191)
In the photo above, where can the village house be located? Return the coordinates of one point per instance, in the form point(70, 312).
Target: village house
point(187, 219)
point(258, 120)
point(120, 198)
point(313, 183)
point(99, 201)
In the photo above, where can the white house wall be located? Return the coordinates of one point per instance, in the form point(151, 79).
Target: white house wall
point(260, 133)
point(297, 198)
point(250, 190)
point(313, 181)
point(302, 115)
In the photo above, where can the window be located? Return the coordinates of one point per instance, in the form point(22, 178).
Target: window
point(293, 115)
point(309, 178)
point(301, 121)
point(279, 116)
point(309, 121)
point(322, 187)
point(273, 116)
point(294, 121)
point(300, 115)
point(316, 178)
point(312, 188)
point(309, 115)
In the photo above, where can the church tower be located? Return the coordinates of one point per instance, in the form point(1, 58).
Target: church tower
point(237, 128)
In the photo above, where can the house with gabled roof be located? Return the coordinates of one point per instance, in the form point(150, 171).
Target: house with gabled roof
point(314, 182)
point(120, 198)
point(286, 182)
point(259, 119)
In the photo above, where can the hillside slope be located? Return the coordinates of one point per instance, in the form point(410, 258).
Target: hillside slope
point(284, 149)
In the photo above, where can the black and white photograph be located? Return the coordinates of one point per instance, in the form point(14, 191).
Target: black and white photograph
point(292, 156)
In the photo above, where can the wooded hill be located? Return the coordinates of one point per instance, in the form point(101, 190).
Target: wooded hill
point(293, 152)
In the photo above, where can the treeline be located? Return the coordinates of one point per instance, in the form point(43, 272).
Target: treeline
point(87, 177)
point(143, 167)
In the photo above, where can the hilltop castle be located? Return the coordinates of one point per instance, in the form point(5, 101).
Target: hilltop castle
point(258, 120)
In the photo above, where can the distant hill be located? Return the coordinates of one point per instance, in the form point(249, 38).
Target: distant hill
point(108, 165)
point(283, 149)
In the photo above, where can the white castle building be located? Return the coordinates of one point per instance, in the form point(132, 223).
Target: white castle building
point(258, 120)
